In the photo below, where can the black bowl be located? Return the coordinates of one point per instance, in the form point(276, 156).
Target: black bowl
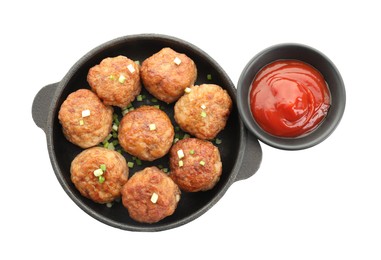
point(308, 55)
point(241, 155)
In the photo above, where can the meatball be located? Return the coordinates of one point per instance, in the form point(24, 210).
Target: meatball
point(85, 120)
point(150, 195)
point(115, 80)
point(204, 111)
point(167, 73)
point(195, 164)
point(99, 174)
point(146, 133)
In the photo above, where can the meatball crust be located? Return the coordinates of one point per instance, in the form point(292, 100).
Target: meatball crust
point(85, 130)
point(164, 78)
point(200, 167)
point(115, 176)
point(138, 195)
point(115, 80)
point(204, 111)
point(146, 132)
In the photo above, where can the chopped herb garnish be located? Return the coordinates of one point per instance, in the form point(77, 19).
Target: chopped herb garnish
point(103, 167)
point(111, 146)
point(154, 100)
point(154, 197)
point(209, 77)
point(177, 61)
point(122, 79)
point(165, 170)
point(130, 164)
point(131, 68)
point(98, 172)
point(138, 161)
point(101, 179)
point(139, 98)
point(177, 128)
point(86, 113)
point(218, 141)
point(186, 136)
point(115, 142)
point(202, 163)
point(107, 138)
point(191, 152)
point(124, 112)
point(203, 114)
point(180, 153)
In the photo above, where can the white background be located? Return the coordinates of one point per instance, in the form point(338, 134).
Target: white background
point(320, 203)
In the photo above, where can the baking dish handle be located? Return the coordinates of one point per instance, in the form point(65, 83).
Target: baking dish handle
point(252, 157)
point(41, 105)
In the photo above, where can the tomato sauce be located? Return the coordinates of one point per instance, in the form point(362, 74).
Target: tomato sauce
point(289, 98)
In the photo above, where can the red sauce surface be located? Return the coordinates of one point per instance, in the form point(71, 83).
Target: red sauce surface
point(289, 98)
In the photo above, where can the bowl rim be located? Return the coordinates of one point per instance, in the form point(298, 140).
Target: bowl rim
point(298, 143)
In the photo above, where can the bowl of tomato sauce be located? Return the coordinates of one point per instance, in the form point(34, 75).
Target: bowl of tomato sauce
point(291, 96)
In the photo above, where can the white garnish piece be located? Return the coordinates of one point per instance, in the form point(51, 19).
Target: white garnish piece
point(109, 204)
point(181, 163)
point(85, 113)
point(98, 172)
point(81, 122)
point(115, 127)
point(202, 163)
point(188, 90)
point(177, 61)
point(180, 154)
point(131, 68)
point(152, 127)
point(154, 197)
point(203, 106)
point(177, 197)
point(122, 78)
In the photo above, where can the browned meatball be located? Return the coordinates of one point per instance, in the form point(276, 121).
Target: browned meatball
point(109, 165)
point(167, 73)
point(195, 164)
point(146, 133)
point(85, 120)
point(204, 111)
point(150, 195)
point(115, 80)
